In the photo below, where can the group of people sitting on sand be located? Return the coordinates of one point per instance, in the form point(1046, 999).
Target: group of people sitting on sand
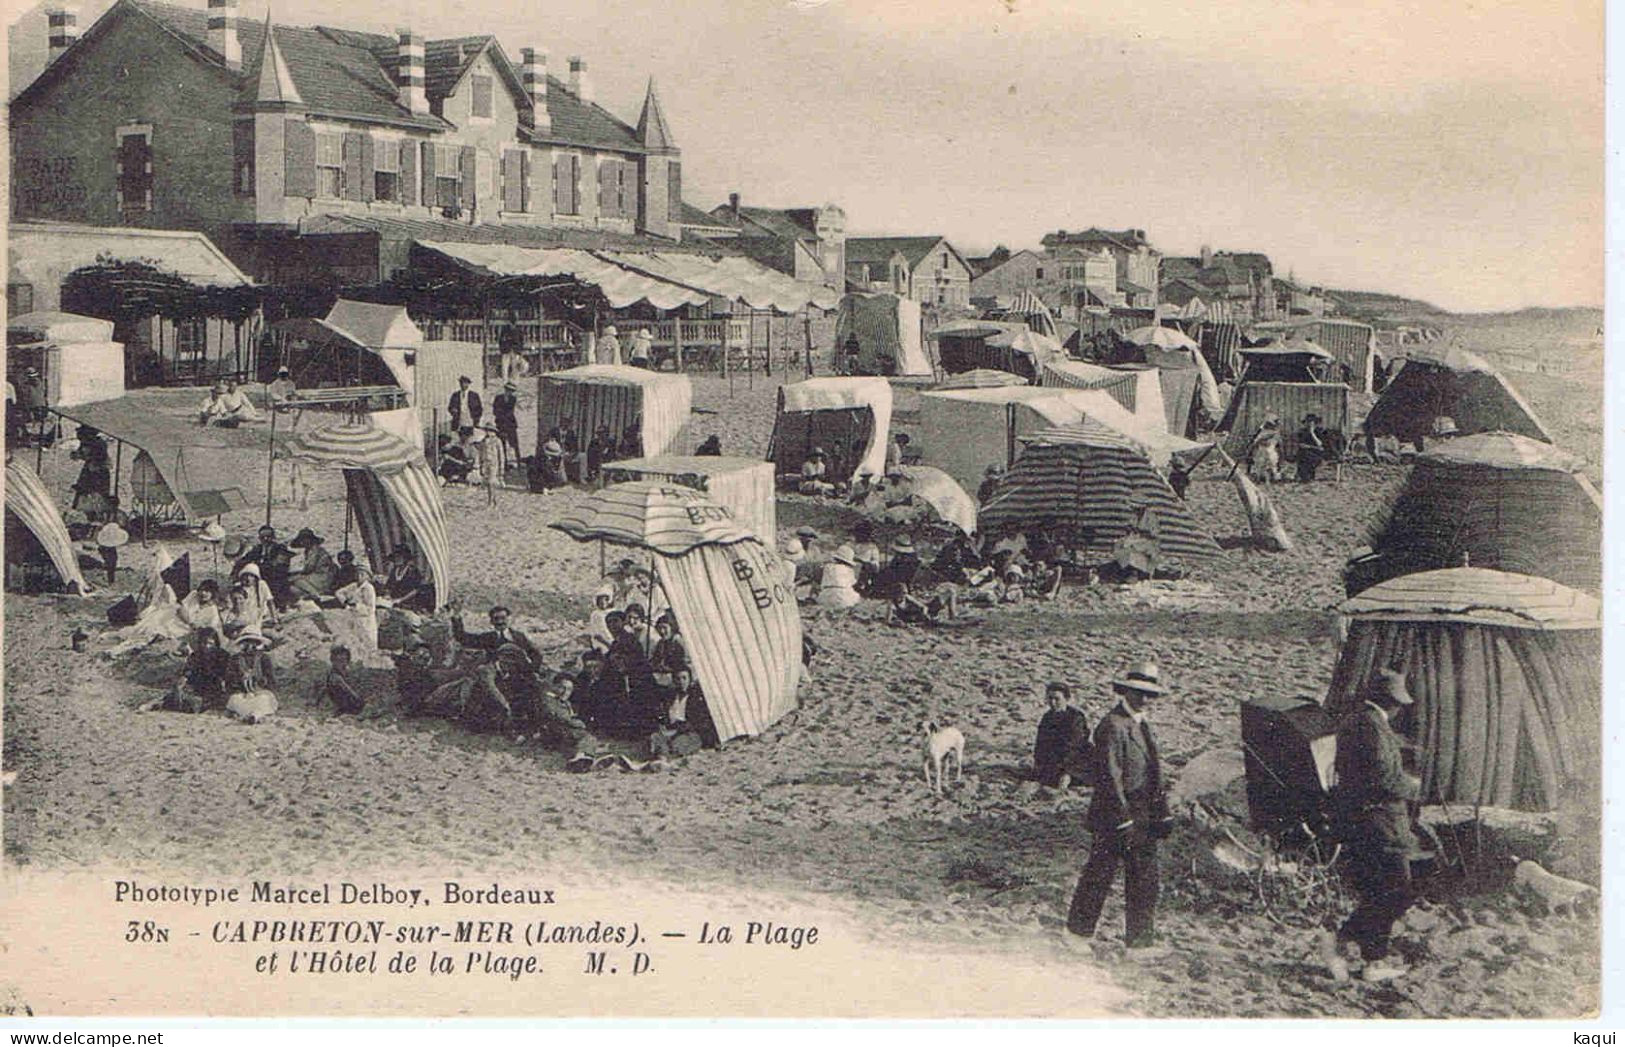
point(964, 570)
point(827, 473)
point(566, 459)
point(228, 406)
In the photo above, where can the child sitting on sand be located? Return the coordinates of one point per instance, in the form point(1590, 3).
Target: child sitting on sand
point(337, 687)
point(909, 609)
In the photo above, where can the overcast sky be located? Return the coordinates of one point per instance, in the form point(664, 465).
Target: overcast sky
point(1451, 151)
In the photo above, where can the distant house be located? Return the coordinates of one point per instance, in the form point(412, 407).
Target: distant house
point(1236, 285)
point(808, 243)
point(876, 267)
point(1135, 261)
point(937, 274)
point(1023, 271)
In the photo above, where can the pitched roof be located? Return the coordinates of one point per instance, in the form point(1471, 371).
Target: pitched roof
point(652, 130)
point(1252, 261)
point(692, 216)
point(271, 81)
point(881, 248)
point(1174, 267)
point(772, 251)
point(786, 224)
point(1128, 239)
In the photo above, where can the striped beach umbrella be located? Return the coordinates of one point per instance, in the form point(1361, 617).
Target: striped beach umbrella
point(1477, 595)
point(650, 514)
point(352, 445)
point(27, 498)
point(1095, 482)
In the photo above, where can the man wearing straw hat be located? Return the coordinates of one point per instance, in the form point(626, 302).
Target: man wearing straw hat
point(1128, 813)
point(1372, 798)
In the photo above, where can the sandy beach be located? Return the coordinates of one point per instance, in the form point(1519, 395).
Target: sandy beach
point(826, 807)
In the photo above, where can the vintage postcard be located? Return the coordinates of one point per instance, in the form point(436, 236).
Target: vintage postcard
point(803, 508)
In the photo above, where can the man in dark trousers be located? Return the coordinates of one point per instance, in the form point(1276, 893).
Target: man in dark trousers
point(1061, 753)
point(501, 634)
point(275, 561)
point(1372, 799)
point(464, 407)
point(1128, 813)
point(503, 406)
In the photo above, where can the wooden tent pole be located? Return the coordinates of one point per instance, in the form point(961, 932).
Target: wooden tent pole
point(727, 371)
point(270, 469)
point(807, 330)
point(677, 338)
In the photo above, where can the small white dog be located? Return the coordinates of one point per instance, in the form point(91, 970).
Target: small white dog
point(940, 744)
point(1557, 894)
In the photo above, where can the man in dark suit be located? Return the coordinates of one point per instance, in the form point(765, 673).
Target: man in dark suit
point(464, 407)
point(1372, 799)
point(275, 562)
point(501, 634)
point(503, 408)
point(1127, 815)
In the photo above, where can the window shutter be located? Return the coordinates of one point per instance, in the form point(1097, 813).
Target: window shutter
point(409, 173)
point(575, 184)
point(558, 185)
point(299, 153)
point(513, 180)
point(430, 198)
point(467, 170)
point(369, 184)
point(352, 165)
point(527, 167)
point(674, 190)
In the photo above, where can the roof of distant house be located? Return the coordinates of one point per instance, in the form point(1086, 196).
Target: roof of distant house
point(978, 274)
point(881, 248)
point(1174, 266)
point(1252, 261)
point(692, 216)
point(772, 251)
point(1128, 239)
point(345, 73)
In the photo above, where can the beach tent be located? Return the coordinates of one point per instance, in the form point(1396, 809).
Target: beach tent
point(30, 505)
point(1498, 499)
point(1026, 307)
point(1221, 348)
point(1506, 673)
point(744, 486)
point(393, 494)
point(1187, 381)
point(1160, 336)
point(78, 360)
point(886, 331)
point(1450, 383)
point(616, 396)
point(850, 418)
point(965, 345)
point(1094, 482)
point(1289, 403)
point(1138, 387)
point(1352, 345)
point(727, 589)
point(963, 431)
point(981, 378)
point(1290, 361)
point(177, 471)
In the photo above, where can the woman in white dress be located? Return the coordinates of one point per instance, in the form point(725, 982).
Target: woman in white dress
point(839, 586)
point(252, 605)
point(360, 599)
point(166, 618)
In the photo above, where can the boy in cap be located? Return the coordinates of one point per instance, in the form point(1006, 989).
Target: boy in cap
point(503, 412)
point(1128, 813)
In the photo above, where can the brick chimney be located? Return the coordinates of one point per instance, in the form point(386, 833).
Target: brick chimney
point(410, 77)
point(579, 85)
point(223, 32)
point(533, 72)
point(733, 204)
point(1207, 256)
point(62, 21)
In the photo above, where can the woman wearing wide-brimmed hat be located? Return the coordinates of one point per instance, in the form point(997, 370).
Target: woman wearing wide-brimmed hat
point(251, 680)
point(839, 585)
point(315, 578)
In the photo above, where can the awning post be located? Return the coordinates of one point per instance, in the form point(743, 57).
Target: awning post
point(270, 470)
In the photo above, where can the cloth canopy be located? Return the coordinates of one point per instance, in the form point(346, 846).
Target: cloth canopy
point(58, 328)
point(728, 592)
point(885, 329)
point(1029, 308)
point(1288, 403)
point(930, 488)
point(28, 500)
point(1161, 337)
point(1501, 501)
point(980, 378)
point(1450, 383)
point(1505, 671)
point(966, 345)
point(665, 280)
point(665, 517)
point(393, 494)
point(1093, 481)
point(373, 325)
point(837, 394)
point(615, 395)
point(176, 455)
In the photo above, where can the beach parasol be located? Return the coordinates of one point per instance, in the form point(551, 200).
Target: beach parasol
point(981, 378)
point(1161, 337)
point(923, 487)
point(650, 514)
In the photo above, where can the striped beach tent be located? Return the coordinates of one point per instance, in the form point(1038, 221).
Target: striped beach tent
point(1093, 481)
point(1506, 672)
point(392, 492)
point(27, 499)
point(729, 592)
point(1450, 383)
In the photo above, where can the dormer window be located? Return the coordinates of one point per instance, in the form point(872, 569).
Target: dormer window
point(481, 107)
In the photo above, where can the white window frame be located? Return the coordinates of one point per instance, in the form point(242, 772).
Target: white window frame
point(119, 135)
point(386, 149)
point(448, 158)
point(335, 141)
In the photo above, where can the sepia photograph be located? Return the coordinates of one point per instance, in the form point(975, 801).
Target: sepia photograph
point(803, 509)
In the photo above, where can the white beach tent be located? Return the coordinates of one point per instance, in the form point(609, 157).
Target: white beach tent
point(615, 396)
point(76, 356)
point(963, 431)
point(821, 411)
point(1138, 387)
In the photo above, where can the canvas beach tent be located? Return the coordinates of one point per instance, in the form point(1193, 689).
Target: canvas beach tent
point(1289, 361)
point(616, 396)
point(744, 486)
point(1497, 500)
point(76, 356)
point(393, 495)
point(1187, 381)
point(849, 417)
point(1452, 383)
point(1506, 673)
point(727, 589)
point(879, 334)
point(1288, 403)
point(965, 345)
point(1026, 307)
point(1138, 387)
point(981, 378)
point(29, 506)
point(963, 431)
point(1352, 345)
point(1094, 482)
